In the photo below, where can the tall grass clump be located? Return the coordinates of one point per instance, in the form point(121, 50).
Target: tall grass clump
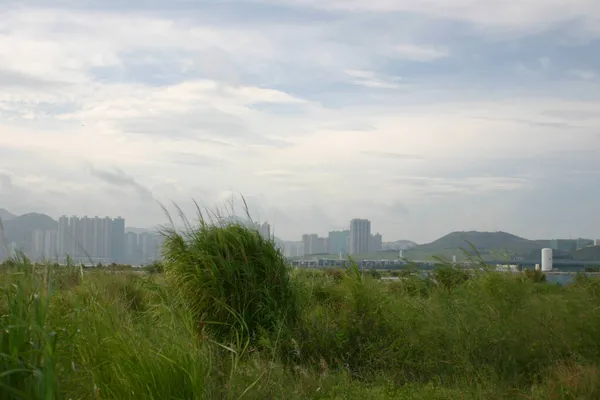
point(236, 282)
point(27, 344)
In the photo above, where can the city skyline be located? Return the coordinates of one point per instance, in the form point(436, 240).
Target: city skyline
point(140, 228)
point(393, 234)
point(357, 239)
point(93, 240)
point(96, 237)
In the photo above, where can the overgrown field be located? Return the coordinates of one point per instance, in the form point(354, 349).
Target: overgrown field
point(227, 320)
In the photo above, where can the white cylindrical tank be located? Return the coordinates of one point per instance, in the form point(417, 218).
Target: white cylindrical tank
point(454, 259)
point(537, 267)
point(546, 259)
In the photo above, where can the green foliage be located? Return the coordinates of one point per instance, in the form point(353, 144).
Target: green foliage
point(27, 345)
point(535, 275)
point(100, 333)
point(236, 282)
point(373, 273)
point(498, 324)
point(450, 277)
point(155, 268)
point(336, 274)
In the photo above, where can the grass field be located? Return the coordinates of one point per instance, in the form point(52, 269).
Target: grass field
point(226, 319)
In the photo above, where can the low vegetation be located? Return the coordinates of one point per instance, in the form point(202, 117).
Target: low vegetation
point(224, 318)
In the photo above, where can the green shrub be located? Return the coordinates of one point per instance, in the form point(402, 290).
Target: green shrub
point(449, 277)
point(27, 345)
point(373, 273)
point(155, 267)
point(534, 275)
point(236, 282)
point(337, 274)
point(410, 286)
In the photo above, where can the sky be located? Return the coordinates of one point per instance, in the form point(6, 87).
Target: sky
point(425, 117)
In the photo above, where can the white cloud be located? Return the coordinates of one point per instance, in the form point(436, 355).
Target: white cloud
point(419, 53)
point(583, 74)
point(525, 16)
point(177, 108)
point(371, 80)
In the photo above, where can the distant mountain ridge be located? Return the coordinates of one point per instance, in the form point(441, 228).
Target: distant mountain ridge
point(20, 229)
point(485, 241)
point(6, 215)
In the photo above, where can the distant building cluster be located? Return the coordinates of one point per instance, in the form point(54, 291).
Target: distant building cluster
point(93, 240)
point(313, 244)
point(100, 240)
point(570, 245)
point(44, 245)
point(264, 229)
point(142, 248)
point(356, 240)
point(83, 239)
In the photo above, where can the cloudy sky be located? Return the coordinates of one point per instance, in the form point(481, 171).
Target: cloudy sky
point(424, 116)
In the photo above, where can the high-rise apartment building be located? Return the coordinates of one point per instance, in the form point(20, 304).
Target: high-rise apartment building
point(105, 239)
point(294, 249)
point(337, 242)
point(51, 245)
point(375, 243)
point(313, 244)
point(63, 237)
point(91, 239)
point(320, 246)
point(88, 233)
point(118, 240)
point(37, 245)
point(306, 241)
point(44, 245)
point(360, 235)
point(265, 230)
point(150, 244)
point(76, 233)
point(133, 252)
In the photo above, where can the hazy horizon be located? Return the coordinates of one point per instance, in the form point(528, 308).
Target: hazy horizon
point(423, 117)
point(179, 224)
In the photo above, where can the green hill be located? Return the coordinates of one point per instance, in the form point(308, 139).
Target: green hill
point(486, 243)
point(21, 228)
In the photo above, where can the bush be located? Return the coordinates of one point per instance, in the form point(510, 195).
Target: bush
point(373, 273)
point(235, 281)
point(449, 277)
point(535, 275)
point(155, 267)
point(336, 274)
point(27, 346)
